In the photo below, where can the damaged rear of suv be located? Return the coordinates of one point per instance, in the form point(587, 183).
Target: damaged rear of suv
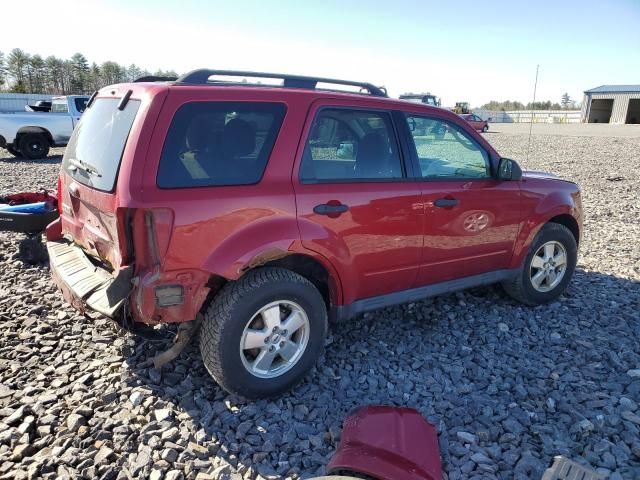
point(163, 203)
point(262, 210)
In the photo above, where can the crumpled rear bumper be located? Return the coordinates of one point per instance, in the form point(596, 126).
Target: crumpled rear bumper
point(85, 285)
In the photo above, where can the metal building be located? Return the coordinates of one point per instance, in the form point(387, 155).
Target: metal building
point(612, 104)
point(15, 102)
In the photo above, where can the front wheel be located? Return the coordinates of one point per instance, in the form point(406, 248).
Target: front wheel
point(264, 332)
point(485, 129)
point(548, 267)
point(13, 151)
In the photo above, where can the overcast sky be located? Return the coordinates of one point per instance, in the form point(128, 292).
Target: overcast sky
point(460, 50)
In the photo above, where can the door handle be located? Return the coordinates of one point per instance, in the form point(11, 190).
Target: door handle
point(330, 209)
point(446, 202)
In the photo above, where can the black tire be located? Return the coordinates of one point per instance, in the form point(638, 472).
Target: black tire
point(32, 250)
point(231, 310)
point(34, 146)
point(13, 151)
point(485, 129)
point(521, 287)
point(346, 475)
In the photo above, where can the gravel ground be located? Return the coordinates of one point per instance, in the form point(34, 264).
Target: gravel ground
point(508, 387)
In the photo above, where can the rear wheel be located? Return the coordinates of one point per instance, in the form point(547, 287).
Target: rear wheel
point(548, 267)
point(34, 146)
point(263, 333)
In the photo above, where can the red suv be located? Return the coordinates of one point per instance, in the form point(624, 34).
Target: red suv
point(476, 122)
point(268, 209)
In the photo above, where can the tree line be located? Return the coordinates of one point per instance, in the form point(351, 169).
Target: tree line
point(21, 72)
point(566, 103)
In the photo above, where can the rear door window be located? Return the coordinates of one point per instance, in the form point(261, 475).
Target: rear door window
point(346, 145)
point(95, 149)
point(219, 143)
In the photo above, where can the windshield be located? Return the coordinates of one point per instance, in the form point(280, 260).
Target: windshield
point(95, 149)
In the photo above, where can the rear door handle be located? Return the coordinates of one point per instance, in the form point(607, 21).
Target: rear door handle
point(446, 202)
point(330, 209)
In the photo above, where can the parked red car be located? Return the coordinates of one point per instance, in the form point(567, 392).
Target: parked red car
point(476, 122)
point(269, 208)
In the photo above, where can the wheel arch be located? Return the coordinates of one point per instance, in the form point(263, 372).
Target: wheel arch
point(568, 221)
point(313, 270)
point(34, 129)
point(562, 214)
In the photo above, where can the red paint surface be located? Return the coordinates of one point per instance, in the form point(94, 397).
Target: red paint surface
point(392, 237)
point(388, 443)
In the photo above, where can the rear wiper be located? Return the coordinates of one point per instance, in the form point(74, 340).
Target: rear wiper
point(84, 166)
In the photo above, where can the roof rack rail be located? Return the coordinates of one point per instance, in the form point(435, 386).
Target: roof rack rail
point(201, 77)
point(155, 78)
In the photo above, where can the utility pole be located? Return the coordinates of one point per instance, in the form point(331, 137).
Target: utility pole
point(535, 87)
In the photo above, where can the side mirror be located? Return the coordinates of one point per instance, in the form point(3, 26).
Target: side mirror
point(509, 170)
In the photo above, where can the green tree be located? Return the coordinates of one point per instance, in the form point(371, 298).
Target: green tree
point(22, 72)
point(80, 71)
point(95, 82)
point(53, 68)
point(133, 72)
point(165, 73)
point(37, 74)
point(566, 100)
point(111, 73)
point(506, 105)
point(17, 64)
point(18, 87)
point(3, 70)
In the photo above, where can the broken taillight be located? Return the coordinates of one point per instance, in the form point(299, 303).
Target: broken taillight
point(151, 234)
point(59, 194)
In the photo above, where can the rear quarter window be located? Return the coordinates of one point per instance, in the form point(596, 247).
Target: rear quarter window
point(219, 143)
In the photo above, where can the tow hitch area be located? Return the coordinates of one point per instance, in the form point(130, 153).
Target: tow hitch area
point(186, 332)
point(84, 284)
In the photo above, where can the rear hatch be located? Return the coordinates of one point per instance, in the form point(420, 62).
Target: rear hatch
point(89, 207)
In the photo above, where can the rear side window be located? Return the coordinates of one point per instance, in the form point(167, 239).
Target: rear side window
point(59, 106)
point(95, 149)
point(219, 143)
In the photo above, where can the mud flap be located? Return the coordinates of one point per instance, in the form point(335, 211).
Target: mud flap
point(84, 284)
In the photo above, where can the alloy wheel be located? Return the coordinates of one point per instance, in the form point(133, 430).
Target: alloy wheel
point(548, 266)
point(275, 339)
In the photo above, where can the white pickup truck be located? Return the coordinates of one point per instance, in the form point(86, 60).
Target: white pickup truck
point(31, 134)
